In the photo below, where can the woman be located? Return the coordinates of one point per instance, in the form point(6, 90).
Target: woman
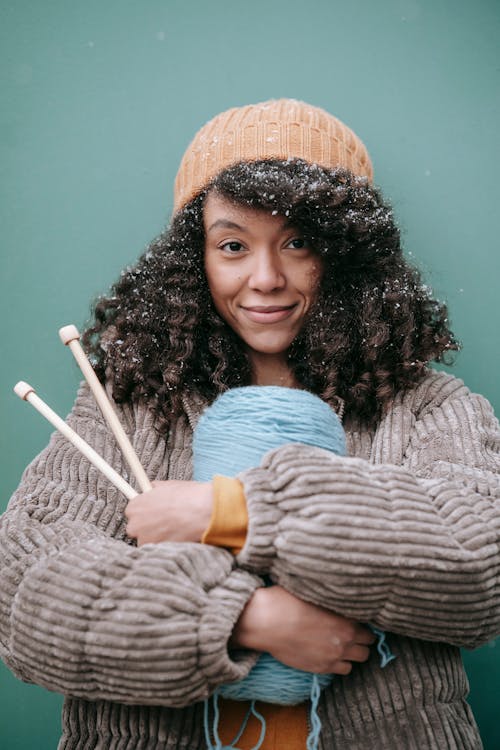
point(282, 266)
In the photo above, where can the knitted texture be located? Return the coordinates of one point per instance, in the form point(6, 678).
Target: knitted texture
point(244, 423)
point(405, 534)
point(276, 129)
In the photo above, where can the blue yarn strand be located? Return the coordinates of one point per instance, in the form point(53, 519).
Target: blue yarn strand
point(243, 725)
point(386, 655)
point(262, 727)
point(206, 727)
point(313, 736)
point(215, 726)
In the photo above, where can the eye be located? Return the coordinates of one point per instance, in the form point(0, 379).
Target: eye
point(298, 243)
point(232, 247)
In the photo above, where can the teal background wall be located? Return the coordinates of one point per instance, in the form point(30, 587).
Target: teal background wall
point(99, 100)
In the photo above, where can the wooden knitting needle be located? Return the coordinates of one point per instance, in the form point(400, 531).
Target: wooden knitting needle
point(70, 336)
point(27, 393)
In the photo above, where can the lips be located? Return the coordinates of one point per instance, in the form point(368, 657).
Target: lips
point(268, 313)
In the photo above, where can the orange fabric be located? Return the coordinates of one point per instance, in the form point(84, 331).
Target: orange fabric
point(229, 522)
point(276, 129)
point(286, 726)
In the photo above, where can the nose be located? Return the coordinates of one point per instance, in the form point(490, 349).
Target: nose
point(267, 272)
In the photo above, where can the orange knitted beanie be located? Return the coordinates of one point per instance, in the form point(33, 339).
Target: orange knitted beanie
point(277, 129)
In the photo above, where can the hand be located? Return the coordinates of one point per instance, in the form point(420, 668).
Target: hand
point(172, 511)
point(300, 634)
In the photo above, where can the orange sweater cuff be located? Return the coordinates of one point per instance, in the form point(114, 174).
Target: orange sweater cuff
point(229, 522)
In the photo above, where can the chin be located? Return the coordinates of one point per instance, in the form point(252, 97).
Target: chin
point(271, 348)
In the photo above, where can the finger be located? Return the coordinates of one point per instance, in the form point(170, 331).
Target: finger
point(364, 636)
point(341, 667)
point(357, 653)
point(132, 505)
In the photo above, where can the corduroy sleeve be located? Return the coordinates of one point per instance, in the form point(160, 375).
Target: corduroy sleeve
point(85, 613)
point(411, 544)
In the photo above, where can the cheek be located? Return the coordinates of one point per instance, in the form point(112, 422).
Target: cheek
point(223, 283)
point(308, 281)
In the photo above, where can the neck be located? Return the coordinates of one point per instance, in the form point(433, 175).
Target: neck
point(271, 369)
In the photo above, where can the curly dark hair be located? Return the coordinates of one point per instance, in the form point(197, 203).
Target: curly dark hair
point(372, 331)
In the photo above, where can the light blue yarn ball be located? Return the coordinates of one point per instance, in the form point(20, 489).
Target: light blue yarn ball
point(243, 424)
point(273, 682)
point(232, 435)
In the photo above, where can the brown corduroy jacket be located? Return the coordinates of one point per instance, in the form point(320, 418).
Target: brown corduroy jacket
point(403, 533)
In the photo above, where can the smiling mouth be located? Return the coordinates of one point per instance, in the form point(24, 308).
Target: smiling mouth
point(268, 313)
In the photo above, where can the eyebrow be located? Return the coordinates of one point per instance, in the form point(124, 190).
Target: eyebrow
point(227, 224)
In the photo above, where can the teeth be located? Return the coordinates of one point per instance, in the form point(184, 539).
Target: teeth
point(269, 309)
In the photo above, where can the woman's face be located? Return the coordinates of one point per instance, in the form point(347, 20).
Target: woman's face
point(262, 275)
